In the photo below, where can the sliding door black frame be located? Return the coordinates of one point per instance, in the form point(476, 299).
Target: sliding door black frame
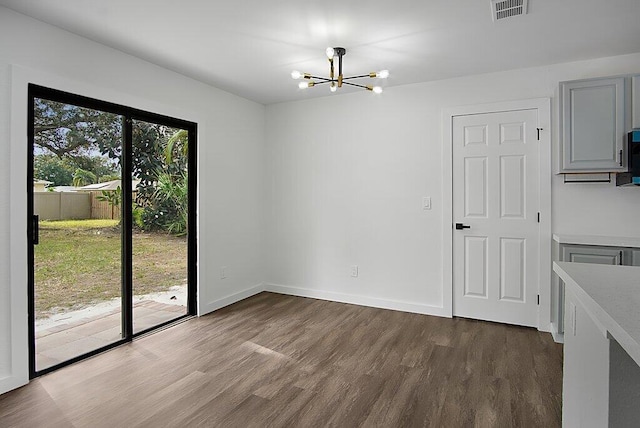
point(129, 114)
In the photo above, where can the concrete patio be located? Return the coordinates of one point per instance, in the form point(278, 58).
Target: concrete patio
point(77, 335)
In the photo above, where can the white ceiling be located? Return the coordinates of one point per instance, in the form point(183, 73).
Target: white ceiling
point(249, 47)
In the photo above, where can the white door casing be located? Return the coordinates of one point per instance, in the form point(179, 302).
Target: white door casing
point(496, 193)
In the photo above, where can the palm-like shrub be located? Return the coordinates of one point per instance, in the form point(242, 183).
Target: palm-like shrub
point(172, 194)
point(82, 177)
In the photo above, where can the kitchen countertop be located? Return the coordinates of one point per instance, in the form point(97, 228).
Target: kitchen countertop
point(605, 241)
point(611, 294)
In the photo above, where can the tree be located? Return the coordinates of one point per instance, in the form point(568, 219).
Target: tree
point(52, 168)
point(86, 143)
point(162, 210)
point(68, 130)
point(61, 172)
point(107, 178)
point(101, 166)
point(179, 142)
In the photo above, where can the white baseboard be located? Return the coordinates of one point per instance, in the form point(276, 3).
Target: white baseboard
point(12, 382)
point(557, 337)
point(333, 296)
point(546, 328)
point(231, 299)
point(359, 300)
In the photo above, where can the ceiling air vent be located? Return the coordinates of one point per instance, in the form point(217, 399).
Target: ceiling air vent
point(502, 9)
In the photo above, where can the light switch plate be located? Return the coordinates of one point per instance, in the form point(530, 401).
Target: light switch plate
point(426, 203)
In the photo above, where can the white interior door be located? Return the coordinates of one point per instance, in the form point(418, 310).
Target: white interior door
point(496, 194)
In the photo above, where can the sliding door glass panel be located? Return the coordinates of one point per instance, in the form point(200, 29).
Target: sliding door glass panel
point(160, 210)
point(77, 256)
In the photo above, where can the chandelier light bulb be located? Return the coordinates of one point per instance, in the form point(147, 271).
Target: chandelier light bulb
point(295, 74)
point(330, 53)
point(377, 90)
point(333, 87)
point(303, 85)
point(382, 74)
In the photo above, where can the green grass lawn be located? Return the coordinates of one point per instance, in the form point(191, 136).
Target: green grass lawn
point(78, 263)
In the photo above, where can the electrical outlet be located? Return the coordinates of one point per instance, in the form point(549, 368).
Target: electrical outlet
point(354, 271)
point(223, 272)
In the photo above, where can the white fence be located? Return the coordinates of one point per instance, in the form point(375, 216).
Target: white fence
point(72, 206)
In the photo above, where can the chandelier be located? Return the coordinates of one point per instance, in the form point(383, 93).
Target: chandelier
point(336, 82)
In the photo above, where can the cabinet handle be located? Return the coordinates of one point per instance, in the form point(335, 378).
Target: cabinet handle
point(620, 258)
point(620, 157)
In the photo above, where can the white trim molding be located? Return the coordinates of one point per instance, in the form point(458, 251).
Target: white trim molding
point(230, 299)
point(354, 299)
point(543, 106)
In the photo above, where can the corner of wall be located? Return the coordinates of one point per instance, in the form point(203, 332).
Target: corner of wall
point(230, 299)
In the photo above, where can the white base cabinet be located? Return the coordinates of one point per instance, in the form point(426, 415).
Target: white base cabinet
point(585, 385)
point(586, 249)
point(601, 380)
point(578, 254)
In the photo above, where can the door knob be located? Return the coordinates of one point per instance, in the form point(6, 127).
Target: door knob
point(460, 226)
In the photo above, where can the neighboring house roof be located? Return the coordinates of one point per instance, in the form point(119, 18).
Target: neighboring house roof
point(44, 182)
point(108, 185)
point(65, 189)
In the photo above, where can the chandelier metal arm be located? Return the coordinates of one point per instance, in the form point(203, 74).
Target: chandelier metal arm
point(325, 79)
point(357, 77)
point(355, 84)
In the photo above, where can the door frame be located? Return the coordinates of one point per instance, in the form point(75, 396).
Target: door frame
point(129, 114)
point(543, 105)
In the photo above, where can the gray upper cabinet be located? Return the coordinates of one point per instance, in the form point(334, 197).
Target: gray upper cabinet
point(594, 118)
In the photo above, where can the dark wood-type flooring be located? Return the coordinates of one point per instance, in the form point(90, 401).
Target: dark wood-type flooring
point(275, 360)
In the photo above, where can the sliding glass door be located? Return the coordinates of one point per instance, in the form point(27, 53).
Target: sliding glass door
point(160, 200)
point(112, 228)
point(77, 295)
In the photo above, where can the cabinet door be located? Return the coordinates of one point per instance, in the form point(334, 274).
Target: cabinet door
point(634, 258)
point(593, 125)
point(591, 254)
